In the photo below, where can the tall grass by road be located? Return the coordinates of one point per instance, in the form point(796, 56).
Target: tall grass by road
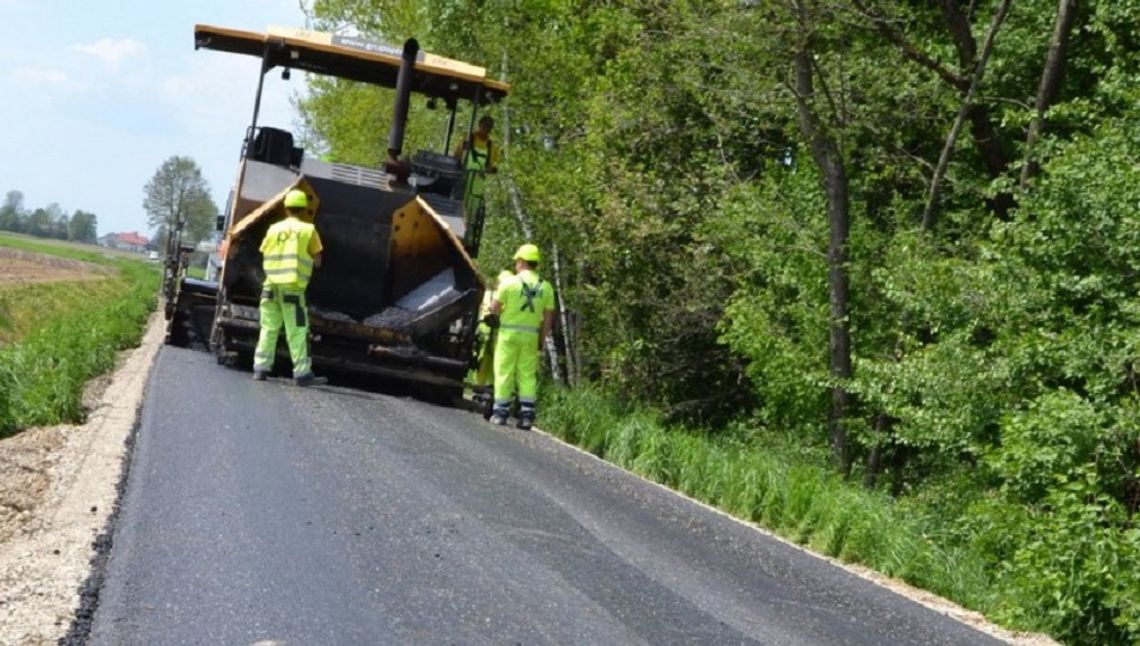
point(58, 336)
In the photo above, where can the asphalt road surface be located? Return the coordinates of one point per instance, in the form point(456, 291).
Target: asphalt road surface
point(266, 513)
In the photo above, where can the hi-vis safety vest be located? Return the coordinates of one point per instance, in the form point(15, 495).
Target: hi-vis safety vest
point(525, 300)
point(285, 253)
point(476, 161)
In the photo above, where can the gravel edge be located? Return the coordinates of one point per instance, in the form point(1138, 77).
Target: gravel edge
point(51, 571)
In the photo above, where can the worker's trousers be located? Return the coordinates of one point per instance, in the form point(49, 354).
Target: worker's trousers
point(473, 189)
point(283, 305)
point(483, 374)
point(516, 370)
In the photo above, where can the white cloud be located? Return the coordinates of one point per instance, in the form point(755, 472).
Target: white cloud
point(43, 78)
point(110, 51)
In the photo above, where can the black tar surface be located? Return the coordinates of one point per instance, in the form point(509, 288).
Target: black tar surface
point(262, 511)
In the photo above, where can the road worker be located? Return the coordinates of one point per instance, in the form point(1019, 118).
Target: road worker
point(524, 306)
point(482, 377)
point(290, 251)
point(479, 156)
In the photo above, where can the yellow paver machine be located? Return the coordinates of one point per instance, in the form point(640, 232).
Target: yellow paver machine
point(398, 293)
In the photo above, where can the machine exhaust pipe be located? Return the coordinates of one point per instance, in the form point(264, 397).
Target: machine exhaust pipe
point(403, 94)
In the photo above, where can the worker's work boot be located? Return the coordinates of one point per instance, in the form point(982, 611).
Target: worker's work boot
point(526, 416)
point(499, 416)
point(259, 375)
point(309, 379)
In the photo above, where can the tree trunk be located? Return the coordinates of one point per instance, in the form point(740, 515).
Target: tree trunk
point(568, 347)
point(986, 137)
point(1051, 78)
point(929, 214)
point(875, 457)
point(826, 155)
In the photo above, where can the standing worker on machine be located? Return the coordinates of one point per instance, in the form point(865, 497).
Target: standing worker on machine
point(290, 251)
point(479, 156)
point(524, 306)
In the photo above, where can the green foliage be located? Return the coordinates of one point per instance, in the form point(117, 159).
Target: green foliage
point(83, 227)
point(995, 354)
point(778, 314)
point(43, 374)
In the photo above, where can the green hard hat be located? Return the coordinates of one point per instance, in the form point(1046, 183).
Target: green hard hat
point(296, 199)
point(528, 252)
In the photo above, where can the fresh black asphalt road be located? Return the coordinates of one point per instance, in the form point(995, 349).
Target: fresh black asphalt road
point(266, 513)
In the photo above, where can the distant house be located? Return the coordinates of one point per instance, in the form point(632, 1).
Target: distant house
point(125, 241)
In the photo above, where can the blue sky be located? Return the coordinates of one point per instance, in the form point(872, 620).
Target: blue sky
point(95, 95)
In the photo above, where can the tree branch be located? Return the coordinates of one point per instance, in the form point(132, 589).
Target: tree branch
point(1051, 77)
point(930, 212)
point(883, 26)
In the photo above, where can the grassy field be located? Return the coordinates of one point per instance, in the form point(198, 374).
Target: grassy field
point(62, 248)
point(54, 337)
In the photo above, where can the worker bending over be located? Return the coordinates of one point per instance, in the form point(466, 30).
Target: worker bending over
point(524, 305)
point(482, 377)
point(290, 251)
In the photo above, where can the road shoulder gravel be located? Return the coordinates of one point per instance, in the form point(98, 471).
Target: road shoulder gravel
point(58, 491)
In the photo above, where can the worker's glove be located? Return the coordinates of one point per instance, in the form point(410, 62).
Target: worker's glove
point(492, 320)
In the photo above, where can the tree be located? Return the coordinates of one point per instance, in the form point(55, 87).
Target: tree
point(60, 226)
point(82, 227)
point(40, 221)
point(12, 213)
point(178, 197)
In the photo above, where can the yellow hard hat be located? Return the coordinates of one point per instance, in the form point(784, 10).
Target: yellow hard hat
point(296, 199)
point(528, 252)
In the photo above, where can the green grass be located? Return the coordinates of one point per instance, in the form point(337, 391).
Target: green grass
point(803, 502)
point(63, 334)
point(73, 250)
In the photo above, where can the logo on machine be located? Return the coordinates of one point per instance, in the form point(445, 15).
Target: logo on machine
point(356, 42)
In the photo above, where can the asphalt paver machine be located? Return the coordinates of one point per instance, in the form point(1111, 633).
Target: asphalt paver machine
point(398, 292)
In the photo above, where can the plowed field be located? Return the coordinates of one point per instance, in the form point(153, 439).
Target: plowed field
point(20, 267)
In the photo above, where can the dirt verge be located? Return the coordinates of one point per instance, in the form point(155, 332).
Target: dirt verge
point(18, 266)
point(58, 489)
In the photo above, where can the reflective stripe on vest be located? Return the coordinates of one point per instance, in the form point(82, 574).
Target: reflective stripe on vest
point(287, 261)
point(519, 328)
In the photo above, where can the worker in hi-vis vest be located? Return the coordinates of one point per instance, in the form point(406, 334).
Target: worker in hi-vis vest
point(290, 251)
point(524, 306)
point(479, 156)
point(482, 377)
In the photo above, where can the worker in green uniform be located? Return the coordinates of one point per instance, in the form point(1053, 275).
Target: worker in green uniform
point(479, 156)
point(482, 377)
point(290, 251)
point(524, 306)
